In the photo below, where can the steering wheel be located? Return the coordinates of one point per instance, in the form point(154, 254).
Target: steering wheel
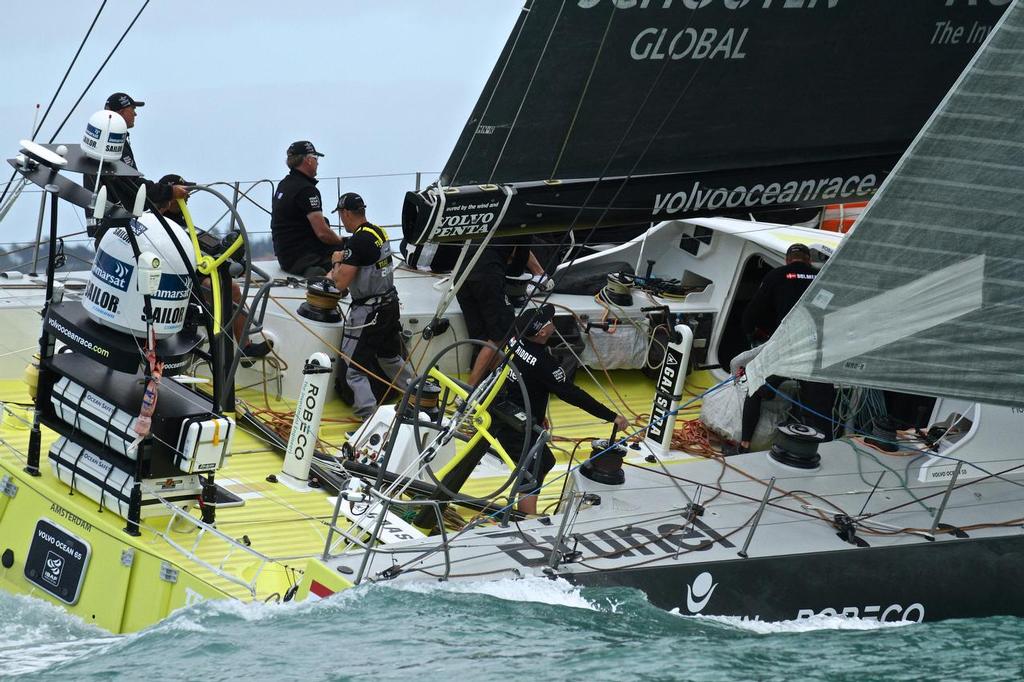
point(472, 410)
point(209, 265)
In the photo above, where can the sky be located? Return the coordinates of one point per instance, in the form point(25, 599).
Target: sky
point(379, 86)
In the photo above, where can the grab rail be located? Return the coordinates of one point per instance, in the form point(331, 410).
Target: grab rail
point(191, 553)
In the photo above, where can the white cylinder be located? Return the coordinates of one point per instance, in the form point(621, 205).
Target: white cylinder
point(306, 426)
point(669, 390)
point(105, 135)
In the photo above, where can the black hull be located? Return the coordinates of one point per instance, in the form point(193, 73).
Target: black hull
point(968, 578)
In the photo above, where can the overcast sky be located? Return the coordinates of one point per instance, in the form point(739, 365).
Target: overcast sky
point(380, 86)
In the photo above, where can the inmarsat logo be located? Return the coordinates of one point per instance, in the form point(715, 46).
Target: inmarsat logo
point(699, 593)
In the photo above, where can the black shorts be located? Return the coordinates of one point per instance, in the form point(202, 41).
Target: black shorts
point(383, 338)
point(489, 315)
point(512, 440)
point(312, 264)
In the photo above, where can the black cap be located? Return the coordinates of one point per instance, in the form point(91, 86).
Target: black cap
point(798, 250)
point(302, 147)
point(174, 179)
point(350, 201)
point(120, 100)
point(531, 321)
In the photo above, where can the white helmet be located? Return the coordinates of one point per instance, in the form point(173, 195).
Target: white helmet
point(105, 135)
point(112, 296)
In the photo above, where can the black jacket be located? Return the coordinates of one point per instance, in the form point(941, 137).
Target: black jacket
point(544, 376)
point(780, 290)
point(294, 199)
point(122, 189)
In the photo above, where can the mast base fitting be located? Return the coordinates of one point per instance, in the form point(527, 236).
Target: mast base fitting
point(796, 445)
point(605, 465)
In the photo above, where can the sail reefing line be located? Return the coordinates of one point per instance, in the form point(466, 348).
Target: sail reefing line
point(926, 295)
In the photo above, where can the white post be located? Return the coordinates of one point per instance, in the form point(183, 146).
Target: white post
point(306, 426)
point(669, 390)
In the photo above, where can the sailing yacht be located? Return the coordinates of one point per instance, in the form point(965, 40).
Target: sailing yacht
point(145, 473)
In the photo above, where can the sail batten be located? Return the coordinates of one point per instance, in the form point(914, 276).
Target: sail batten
point(926, 295)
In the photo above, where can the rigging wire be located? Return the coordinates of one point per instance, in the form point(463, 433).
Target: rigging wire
point(53, 99)
point(99, 71)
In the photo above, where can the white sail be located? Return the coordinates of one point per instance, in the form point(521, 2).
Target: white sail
point(927, 294)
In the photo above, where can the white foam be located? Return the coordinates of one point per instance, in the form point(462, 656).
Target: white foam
point(36, 635)
point(816, 622)
point(35, 656)
point(556, 592)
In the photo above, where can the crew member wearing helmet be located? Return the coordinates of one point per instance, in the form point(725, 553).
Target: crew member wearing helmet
point(542, 376)
point(373, 329)
point(123, 189)
point(253, 350)
point(303, 239)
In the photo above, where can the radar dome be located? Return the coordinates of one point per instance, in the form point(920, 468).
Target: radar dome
point(105, 135)
point(112, 297)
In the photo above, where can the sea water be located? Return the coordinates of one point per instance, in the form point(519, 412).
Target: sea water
point(526, 629)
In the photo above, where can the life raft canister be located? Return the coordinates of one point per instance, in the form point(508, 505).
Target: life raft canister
point(841, 217)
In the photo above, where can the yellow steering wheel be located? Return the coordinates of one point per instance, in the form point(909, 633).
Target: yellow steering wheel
point(478, 416)
point(208, 265)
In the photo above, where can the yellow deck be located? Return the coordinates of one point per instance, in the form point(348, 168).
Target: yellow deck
point(280, 523)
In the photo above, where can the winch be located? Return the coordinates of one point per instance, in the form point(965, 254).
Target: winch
point(605, 463)
point(321, 304)
point(796, 445)
point(616, 290)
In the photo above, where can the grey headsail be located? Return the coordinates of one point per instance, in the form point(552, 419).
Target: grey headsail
point(927, 293)
point(612, 112)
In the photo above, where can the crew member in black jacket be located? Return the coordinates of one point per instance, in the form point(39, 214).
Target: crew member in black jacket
point(780, 290)
point(542, 376)
point(304, 242)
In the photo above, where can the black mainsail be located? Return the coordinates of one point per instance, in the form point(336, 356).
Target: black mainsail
point(926, 295)
point(612, 112)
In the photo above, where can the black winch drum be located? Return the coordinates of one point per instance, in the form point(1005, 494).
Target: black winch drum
point(796, 445)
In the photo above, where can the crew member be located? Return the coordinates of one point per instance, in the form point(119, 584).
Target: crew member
point(485, 307)
point(779, 291)
point(123, 189)
point(253, 350)
point(542, 376)
point(303, 239)
point(373, 328)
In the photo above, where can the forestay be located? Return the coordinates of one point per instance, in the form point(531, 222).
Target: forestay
point(927, 294)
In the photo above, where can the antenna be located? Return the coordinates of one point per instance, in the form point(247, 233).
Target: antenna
point(99, 207)
point(140, 202)
point(35, 119)
point(99, 168)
